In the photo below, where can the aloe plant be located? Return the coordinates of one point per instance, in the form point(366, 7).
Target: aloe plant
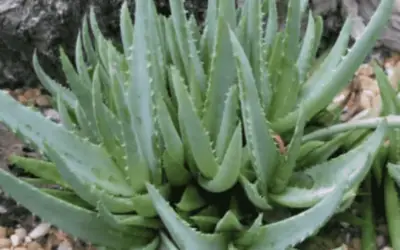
point(169, 142)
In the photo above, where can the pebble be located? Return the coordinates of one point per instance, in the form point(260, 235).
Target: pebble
point(3, 232)
point(33, 246)
point(18, 91)
point(64, 245)
point(5, 243)
point(40, 230)
point(52, 115)
point(20, 232)
point(356, 243)
point(3, 210)
point(31, 93)
point(380, 241)
point(22, 99)
point(15, 240)
point(43, 101)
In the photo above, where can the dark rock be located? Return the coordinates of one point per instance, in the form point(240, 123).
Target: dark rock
point(46, 25)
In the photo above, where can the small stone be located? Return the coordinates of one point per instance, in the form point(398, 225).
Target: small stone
point(43, 101)
point(3, 232)
point(365, 69)
point(356, 243)
point(64, 245)
point(15, 240)
point(3, 210)
point(31, 93)
point(22, 99)
point(347, 238)
point(4, 243)
point(52, 115)
point(18, 91)
point(21, 232)
point(34, 246)
point(380, 241)
point(28, 239)
point(7, 91)
point(40, 230)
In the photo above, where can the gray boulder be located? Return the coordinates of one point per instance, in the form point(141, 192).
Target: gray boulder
point(46, 25)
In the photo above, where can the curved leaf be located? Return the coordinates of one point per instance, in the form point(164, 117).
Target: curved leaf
point(289, 232)
point(95, 165)
point(353, 166)
point(80, 222)
point(184, 236)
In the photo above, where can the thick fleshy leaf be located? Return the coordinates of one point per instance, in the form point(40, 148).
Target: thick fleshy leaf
point(209, 33)
point(80, 89)
point(87, 190)
point(166, 243)
point(221, 74)
point(127, 222)
point(321, 151)
point(42, 169)
point(253, 194)
point(106, 122)
point(87, 42)
point(390, 105)
point(229, 170)
point(66, 116)
point(306, 53)
point(51, 85)
point(394, 172)
point(352, 166)
point(137, 171)
point(95, 165)
point(184, 236)
point(143, 204)
point(195, 133)
point(261, 144)
point(287, 233)
point(322, 92)
point(392, 209)
point(191, 199)
point(83, 122)
point(329, 63)
point(272, 23)
point(229, 223)
point(283, 173)
point(139, 97)
point(81, 65)
point(292, 30)
point(228, 122)
point(170, 134)
point(81, 222)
